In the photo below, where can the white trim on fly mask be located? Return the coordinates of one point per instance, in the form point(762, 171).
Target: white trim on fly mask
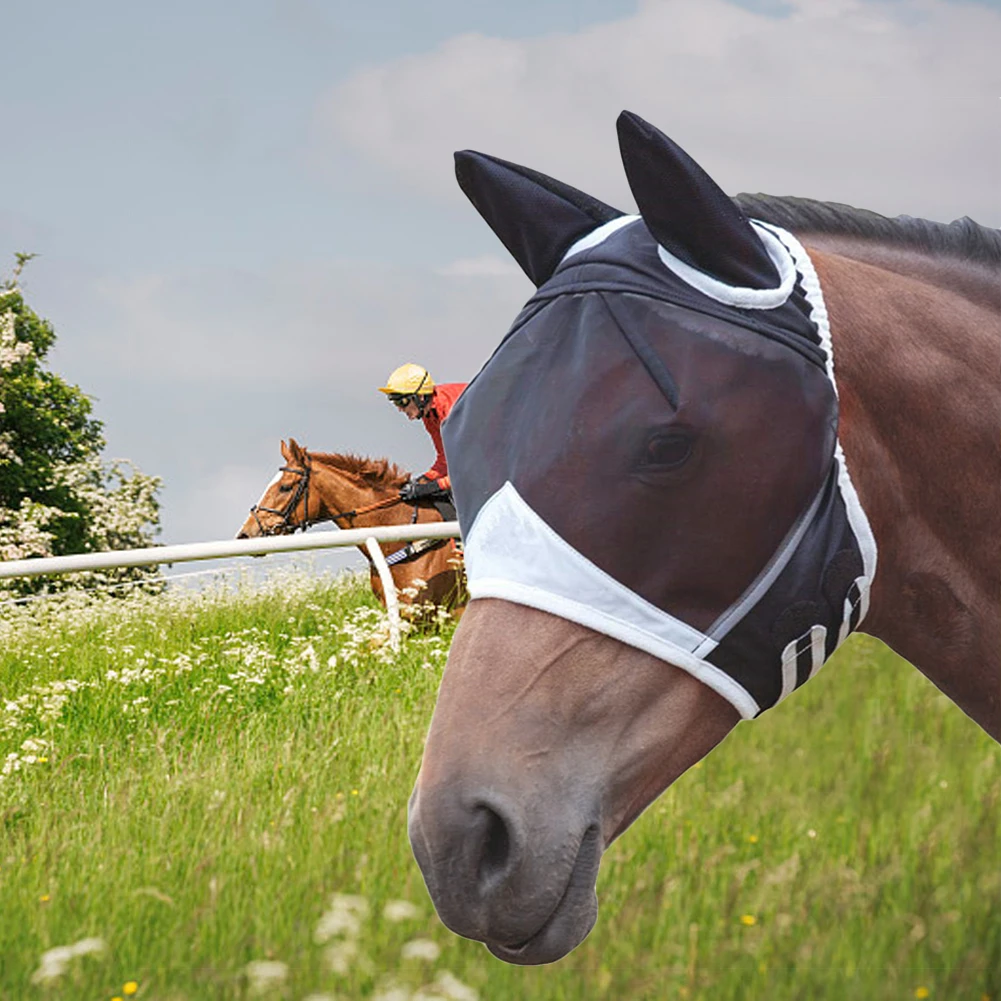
point(511, 553)
point(856, 513)
point(813, 642)
point(768, 575)
point(599, 235)
point(735, 295)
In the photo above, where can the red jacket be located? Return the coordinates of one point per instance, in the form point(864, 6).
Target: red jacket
point(442, 400)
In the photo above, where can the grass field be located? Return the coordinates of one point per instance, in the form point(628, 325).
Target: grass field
point(204, 796)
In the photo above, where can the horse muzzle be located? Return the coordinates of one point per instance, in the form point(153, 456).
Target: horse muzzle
point(527, 891)
point(548, 739)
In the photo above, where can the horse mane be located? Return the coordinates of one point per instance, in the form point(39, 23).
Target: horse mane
point(376, 473)
point(963, 238)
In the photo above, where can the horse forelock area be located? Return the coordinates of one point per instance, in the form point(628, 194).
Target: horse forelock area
point(962, 239)
point(375, 472)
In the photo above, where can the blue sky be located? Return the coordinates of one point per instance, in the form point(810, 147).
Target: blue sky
point(246, 215)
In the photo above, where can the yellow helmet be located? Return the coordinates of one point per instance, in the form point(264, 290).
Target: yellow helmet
point(409, 380)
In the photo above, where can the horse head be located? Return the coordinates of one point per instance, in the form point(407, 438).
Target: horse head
point(659, 531)
point(285, 504)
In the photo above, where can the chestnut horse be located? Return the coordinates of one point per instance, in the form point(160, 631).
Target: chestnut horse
point(703, 506)
point(355, 492)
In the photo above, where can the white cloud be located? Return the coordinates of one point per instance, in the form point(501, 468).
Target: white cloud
point(303, 326)
point(888, 105)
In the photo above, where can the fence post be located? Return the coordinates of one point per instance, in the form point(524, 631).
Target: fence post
point(388, 589)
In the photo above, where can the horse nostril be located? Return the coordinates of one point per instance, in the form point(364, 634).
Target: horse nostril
point(495, 855)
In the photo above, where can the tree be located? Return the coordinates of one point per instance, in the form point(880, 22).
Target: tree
point(56, 494)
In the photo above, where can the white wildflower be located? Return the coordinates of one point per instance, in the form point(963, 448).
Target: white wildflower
point(265, 975)
point(342, 919)
point(312, 661)
point(54, 962)
point(420, 948)
point(400, 910)
point(340, 955)
point(447, 985)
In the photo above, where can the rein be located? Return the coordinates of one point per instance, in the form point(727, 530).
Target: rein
point(351, 515)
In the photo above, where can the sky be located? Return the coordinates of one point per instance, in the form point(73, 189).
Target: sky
point(246, 215)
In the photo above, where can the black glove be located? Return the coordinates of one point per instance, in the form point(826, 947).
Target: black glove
point(415, 490)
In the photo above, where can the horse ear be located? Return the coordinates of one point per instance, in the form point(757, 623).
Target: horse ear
point(285, 452)
point(295, 449)
point(536, 217)
point(687, 213)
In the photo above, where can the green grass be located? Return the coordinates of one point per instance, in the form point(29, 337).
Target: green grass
point(222, 766)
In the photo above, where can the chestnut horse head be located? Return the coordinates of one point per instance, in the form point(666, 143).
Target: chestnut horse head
point(356, 492)
point(672, 511)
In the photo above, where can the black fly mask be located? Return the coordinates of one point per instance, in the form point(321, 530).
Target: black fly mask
point(652, 450)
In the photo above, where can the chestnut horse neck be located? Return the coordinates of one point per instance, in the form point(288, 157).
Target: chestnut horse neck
point(917, 365)
point(356, 492)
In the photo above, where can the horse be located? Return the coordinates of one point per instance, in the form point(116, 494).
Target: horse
point(724, 450)
point(357, 492)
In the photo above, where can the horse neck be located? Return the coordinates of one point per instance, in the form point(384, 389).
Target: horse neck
point(917, 371)
point(971, 279)
point(338, 491)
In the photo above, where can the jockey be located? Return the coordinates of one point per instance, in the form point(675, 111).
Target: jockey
point(413, 391)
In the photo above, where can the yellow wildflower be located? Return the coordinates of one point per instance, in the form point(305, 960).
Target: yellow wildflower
point(354, 792)
point(921, 992)
point(748, 919)
point(753, 838)
point(130, 987)
point(44, 898)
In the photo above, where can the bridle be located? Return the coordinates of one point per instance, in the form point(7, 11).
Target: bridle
point(301, 492)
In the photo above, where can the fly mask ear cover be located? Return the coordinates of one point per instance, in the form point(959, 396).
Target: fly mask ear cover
point(803, 600)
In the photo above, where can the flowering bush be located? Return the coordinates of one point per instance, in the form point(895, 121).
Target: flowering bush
point(56, 494)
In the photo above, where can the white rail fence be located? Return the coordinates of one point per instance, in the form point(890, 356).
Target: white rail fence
point(189, 552)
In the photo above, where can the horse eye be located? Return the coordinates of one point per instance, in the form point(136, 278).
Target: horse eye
point(666, 450)
point(284, 488)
